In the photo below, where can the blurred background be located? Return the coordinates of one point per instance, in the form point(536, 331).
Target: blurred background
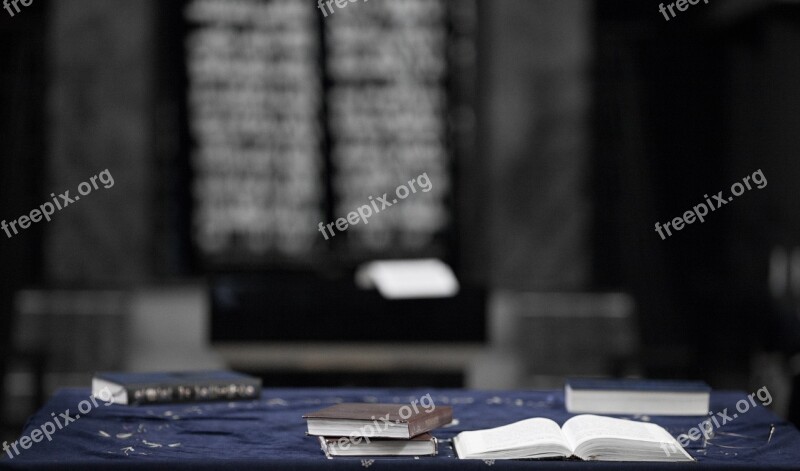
point(555, 134)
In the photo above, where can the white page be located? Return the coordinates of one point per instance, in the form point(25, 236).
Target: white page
point(522, 434)
point(401, 279)
point(582, 428)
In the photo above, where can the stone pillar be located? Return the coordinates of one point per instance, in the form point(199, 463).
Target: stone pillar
point(99, 113)
point(537, 92)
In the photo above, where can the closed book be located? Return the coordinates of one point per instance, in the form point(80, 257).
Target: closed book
point(635, 396)
point(377, 420)
point(164, 387)
point(421, 445)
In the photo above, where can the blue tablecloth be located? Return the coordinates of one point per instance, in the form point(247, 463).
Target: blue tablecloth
point(270, 433)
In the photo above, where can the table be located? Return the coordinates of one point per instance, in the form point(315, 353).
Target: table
point(270, 433)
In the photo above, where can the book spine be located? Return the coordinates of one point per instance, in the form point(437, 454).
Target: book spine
point(435, 419)
point(154, 394)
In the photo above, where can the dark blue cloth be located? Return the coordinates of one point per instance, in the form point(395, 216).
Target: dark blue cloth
point(270, 433)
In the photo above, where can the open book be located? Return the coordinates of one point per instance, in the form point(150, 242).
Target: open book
point(588, 437)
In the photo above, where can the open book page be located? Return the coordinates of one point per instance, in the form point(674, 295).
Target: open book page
point(529, 438)
point(608, 438)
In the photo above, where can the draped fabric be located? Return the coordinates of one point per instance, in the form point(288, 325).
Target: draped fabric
point(270, 433)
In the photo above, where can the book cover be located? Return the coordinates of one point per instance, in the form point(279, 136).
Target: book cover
point(385, 420)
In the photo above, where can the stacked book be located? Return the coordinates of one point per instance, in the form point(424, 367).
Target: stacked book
point(356, 429)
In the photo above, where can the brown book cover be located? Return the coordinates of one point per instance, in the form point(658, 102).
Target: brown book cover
point(421, 445)
point(377, 420)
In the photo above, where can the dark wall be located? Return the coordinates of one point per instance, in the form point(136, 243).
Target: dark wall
point(658, 122)
point(684, 109)
point(22, 84)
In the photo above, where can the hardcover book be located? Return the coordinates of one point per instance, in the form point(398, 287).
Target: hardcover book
point(150, 388)
point(376, 420)
point(421, 445)
point(634, 396)
point(587, 437)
